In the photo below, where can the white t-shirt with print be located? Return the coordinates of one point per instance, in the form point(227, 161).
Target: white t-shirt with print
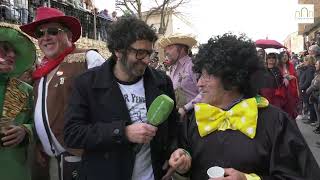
point(134, 96)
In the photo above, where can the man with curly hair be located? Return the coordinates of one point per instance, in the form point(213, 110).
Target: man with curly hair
point(236, 129)
point(107, 111)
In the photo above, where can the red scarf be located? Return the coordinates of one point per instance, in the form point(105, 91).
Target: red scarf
point(47, 65)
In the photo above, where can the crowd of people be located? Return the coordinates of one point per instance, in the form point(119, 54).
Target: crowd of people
point(292, 84)
point(86, 118)
point(23, 12)
point(16, 10)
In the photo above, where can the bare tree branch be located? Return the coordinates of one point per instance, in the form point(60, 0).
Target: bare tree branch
point(162, 7)
point(151, 12)
point(133, 5)
point(156, 2)
point(138, 2)
point(125, 4)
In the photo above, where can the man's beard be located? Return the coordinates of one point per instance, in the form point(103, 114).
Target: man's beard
point(124, 64)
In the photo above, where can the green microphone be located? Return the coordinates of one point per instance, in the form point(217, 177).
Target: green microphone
point(160, 110)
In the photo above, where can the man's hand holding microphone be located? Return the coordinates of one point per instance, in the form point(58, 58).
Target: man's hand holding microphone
point(140, 133)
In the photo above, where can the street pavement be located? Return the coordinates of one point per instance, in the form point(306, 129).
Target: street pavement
point(311, 138)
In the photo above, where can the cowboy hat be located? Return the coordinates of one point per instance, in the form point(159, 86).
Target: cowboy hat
point(45, 15)
point(187, 40)
point(23, 46)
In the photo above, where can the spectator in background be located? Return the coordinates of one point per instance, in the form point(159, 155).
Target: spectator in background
point(314, 51)
point(155, 63)
point(295, 60)
point(22, 7)
point(105, 19)
point(262, 56)
point(307, 71)
point(313, 91)
point(104, 14)
point(274, 89)
point(114, 16)
point(291, 84)
point(8, 11)
point(176, 49)
point(88, 4)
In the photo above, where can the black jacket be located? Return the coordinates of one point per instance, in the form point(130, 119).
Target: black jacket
point(306, 76)
point(278, 151)
point(96, 119)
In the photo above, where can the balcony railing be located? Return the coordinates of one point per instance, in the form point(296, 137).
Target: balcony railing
point(23, 12)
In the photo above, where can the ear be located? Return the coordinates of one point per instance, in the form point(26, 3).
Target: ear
point(118, 54)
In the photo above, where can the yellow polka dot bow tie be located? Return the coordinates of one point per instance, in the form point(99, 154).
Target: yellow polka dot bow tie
point(243, 117)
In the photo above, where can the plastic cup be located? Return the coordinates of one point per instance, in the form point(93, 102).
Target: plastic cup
point(215, 172)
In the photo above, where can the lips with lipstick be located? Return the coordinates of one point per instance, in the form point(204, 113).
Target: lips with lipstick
point(7, 61)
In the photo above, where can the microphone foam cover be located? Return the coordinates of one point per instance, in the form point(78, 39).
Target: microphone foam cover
point(160, 110)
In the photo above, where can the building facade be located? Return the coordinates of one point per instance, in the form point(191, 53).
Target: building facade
point(311, 32)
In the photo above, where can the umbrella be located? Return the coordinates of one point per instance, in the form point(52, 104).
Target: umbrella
point(267, 43)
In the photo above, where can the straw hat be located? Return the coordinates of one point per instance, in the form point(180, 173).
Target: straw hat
point(187, 40)
point(24, 47)
point(45, 15)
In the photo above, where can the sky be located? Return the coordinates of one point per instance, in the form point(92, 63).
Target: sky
point(256, 18)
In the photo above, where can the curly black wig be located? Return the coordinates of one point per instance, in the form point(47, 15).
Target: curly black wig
point(231, 58)
point(126, 30)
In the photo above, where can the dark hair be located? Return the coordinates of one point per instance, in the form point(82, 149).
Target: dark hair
point(281, 55)
point(272, 55)
point(231, 58)
point(125, 31)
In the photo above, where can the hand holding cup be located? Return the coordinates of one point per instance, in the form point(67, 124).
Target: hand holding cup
point(180, 160)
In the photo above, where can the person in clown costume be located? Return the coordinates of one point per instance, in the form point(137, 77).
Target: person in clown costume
point(235, 128)
point(17, 54)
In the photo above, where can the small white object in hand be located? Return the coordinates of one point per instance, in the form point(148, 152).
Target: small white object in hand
point(215, 172)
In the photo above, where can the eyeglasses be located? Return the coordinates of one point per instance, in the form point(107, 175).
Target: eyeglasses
point(50, 31)
point(143, 53)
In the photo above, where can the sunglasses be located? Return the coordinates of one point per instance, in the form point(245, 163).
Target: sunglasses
point(143, 53)
point(50, 31)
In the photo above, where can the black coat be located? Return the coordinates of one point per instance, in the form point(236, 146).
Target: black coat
point(306, 76)
point(96, 119)
point(278, 151)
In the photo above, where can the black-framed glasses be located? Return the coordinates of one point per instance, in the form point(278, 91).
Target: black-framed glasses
point(50, 31)
point(143, 53)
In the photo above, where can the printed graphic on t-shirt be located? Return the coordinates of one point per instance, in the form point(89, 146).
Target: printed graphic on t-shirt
point(134, 96)
point(137, 112)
